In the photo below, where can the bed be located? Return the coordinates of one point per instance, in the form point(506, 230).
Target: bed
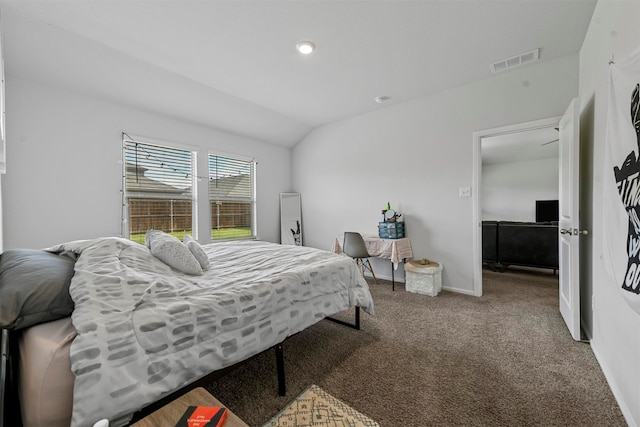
point(145, 323)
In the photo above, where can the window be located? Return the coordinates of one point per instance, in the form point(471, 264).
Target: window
point(232, 197)
point(158, 189)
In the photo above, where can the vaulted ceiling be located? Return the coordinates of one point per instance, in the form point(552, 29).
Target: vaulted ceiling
point(232, 65)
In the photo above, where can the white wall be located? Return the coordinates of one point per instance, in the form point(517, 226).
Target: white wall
point(612, 325)
point(1, 218)
point(64, 173)
point(510, 190)
point(416, 155)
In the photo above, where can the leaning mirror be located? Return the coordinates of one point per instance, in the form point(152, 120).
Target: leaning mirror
point(290, 219)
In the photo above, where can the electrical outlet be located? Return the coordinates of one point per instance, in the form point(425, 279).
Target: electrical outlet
point(464, 192)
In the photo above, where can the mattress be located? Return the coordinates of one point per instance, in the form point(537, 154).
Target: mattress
point(46, 380)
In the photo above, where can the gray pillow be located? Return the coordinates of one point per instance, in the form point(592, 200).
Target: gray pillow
point(34, 287)
point(172, 252)
point(196, 249)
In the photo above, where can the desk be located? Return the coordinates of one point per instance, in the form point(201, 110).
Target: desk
point(395, 250)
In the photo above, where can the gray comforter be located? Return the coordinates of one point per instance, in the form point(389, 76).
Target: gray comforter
point(145, 330)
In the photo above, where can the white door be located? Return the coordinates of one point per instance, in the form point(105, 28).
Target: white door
point(569, 227)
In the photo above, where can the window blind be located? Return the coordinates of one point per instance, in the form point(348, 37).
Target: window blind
point(159, 189)
point(153, 170)
point(231, 197)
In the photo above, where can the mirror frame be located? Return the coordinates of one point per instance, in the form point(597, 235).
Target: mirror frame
point(290, 219)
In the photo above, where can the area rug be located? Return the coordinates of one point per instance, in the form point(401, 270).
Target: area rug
point(315, 407)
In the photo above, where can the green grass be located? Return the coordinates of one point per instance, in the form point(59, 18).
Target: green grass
point(223, 233)
point(230, 233)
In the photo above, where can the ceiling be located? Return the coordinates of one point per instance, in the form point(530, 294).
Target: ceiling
point(536, 144)
point(232, 65)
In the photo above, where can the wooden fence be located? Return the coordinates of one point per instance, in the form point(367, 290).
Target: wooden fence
point(158, 214)
point(176, 215)
point(225, 214)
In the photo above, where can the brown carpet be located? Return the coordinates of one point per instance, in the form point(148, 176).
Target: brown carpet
point(503, 359)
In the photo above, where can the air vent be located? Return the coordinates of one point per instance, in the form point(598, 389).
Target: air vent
point(515, 61)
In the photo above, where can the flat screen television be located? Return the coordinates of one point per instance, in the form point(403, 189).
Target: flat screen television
point(547, 210)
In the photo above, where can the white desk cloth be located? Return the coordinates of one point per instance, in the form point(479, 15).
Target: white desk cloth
point(396, 250)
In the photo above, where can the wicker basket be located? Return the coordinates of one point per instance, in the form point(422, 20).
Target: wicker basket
point(423, 277)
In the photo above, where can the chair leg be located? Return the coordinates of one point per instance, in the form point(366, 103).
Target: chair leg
point(365, 263)
point(371, 270)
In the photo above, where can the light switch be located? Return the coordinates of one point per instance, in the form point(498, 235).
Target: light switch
point(464, 192)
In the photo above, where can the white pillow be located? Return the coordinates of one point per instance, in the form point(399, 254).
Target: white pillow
point(172, 252)
point(197, 251)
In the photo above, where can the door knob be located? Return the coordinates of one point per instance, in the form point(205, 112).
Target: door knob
point(574, 232)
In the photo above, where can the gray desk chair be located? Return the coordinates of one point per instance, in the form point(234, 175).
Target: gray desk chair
point(355, 247)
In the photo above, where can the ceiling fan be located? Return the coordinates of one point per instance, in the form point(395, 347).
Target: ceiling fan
point(555, 140)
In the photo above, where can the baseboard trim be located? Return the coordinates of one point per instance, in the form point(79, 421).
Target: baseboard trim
point(444, 288)
point(626, 412)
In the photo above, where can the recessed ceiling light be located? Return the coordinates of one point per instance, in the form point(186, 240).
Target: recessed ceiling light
point(381, 99)
point(305, 48)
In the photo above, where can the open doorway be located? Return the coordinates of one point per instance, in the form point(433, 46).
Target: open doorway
point(522, 143)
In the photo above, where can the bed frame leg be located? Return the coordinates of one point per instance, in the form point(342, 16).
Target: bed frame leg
point(282, 385)
point(355, 325)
